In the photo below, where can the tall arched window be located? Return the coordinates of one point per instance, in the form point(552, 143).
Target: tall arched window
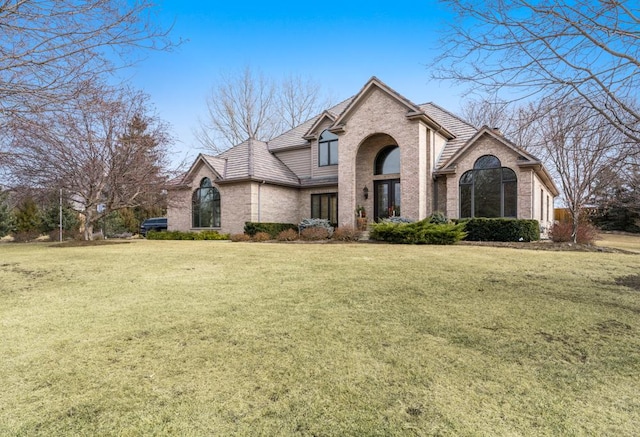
point(205, 206)
point(489, 190)
point(388, 161)
point(327, 149)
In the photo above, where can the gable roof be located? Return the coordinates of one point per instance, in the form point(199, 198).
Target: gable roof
point(214, 164)
point(295, 137)
point(251, 160)
point(525, 159)
point(461, 130)
point(256, 160)
point(413, 111)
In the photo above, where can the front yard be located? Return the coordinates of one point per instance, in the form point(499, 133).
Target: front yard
point(219, 338)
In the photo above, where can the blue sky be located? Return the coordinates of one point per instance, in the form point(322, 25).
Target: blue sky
point(338, 44)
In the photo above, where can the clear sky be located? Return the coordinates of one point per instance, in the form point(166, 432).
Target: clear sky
point(339, 44)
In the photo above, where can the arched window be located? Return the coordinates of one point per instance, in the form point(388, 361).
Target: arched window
point(388, 161)
point(327, 149)
point(205, 206)
point(489, 190)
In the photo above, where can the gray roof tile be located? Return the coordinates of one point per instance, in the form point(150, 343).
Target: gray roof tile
point(460, 128)
point(252, 160)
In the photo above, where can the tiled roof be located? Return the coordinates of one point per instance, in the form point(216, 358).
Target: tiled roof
point(252, 160)
point(294, 137)
point(460, 128)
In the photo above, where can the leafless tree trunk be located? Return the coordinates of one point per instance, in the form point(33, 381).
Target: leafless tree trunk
point(102, 148)
point(578, 144)
point(582, 50)
point(250, 105)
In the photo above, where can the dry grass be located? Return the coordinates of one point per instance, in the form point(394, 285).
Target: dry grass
point(621, 241)
point(218, 338)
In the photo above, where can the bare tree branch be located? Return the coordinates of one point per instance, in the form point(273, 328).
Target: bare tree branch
point(47, 48)
point(582, 49)
point(106, 148)
point(249, 105)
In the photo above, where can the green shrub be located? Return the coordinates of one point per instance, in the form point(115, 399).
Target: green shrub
point(179, 235)
point(438, 218)
point(421, 232)
point(288, 235)
point(501, 229)
point(273, 229)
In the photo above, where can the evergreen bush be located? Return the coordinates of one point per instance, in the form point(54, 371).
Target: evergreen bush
point(273, 229)
point(179, 235)
point(421, 232)
point(315, 223)
point(501, 229)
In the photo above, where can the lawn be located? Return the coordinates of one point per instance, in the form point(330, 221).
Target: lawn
point(217, 338)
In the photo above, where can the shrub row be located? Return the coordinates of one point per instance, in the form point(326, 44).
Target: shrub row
point(179, 235)
point(273, 229)
point(313, 233)
point(421, 232)
point(501, 229)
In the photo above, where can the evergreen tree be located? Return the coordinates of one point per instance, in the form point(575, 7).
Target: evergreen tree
point(7, 221)
point(28, 217)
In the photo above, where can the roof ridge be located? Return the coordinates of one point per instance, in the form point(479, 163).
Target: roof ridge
point(456, 116)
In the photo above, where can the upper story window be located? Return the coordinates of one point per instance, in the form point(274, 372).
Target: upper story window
point(489, 190)
point(388, 161)
point(327, 149)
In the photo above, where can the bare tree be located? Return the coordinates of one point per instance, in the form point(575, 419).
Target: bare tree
point(49, 48)
point(250, 105)
point(102, 148)
point(298, 100)
point(512, 119)
point(580, 50)
point(579, 145)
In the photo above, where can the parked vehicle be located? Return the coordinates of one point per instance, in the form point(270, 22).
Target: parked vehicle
point(153, 224)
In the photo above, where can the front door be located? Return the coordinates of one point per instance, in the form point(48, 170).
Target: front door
point(386, 199)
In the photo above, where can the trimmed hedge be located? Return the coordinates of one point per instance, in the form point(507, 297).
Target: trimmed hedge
point(501, 229)
point(273, 229)
point(422, 232)
point(179, 235)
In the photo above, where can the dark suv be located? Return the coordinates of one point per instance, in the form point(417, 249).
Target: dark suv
point(153, 224)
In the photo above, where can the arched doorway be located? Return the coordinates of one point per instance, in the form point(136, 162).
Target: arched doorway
point(387, 191)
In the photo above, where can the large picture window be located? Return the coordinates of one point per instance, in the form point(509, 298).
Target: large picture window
point(489, 190)
point(327, 149)
point(325, 206)
point(205, 206)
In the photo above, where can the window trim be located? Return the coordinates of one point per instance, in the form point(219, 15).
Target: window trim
point(329, 197)
point(216, 205)
point(381, 159)
point(471, 174)
point(327, 143)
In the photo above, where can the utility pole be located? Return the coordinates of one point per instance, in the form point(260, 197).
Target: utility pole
point(60, 215)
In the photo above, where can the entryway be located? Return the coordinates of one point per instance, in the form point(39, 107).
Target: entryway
point(386, 198)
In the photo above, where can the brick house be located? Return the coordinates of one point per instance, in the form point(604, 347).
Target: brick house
point(376, 152)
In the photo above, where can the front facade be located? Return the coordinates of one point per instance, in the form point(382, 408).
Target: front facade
point(374, 155)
